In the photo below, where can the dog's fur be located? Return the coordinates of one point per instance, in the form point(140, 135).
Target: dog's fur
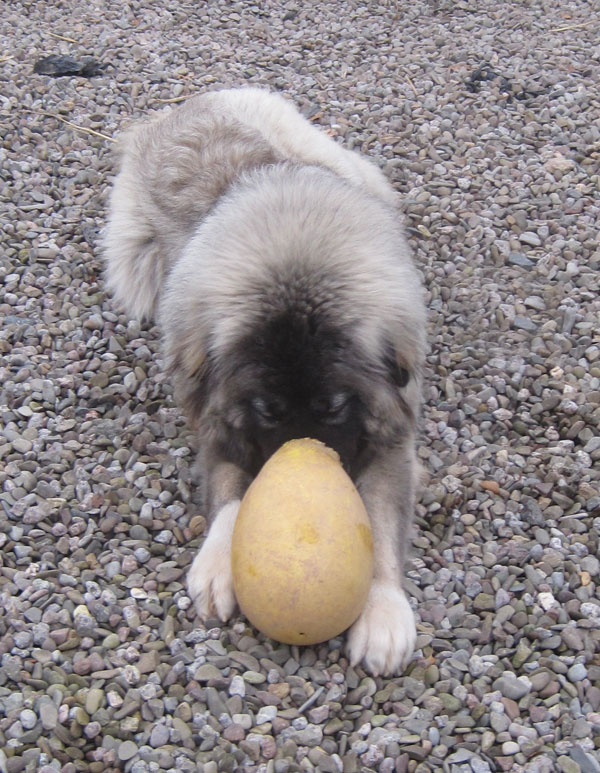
point(277, 268)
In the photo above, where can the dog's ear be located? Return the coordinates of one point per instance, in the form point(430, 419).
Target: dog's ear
point(198, 387)
point(192, 370)
point(396, 369)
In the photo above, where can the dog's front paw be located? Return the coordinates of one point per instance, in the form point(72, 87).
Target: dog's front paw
point(209, 581)
point(384, 635)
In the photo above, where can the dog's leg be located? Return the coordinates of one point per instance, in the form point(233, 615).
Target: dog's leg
point(210, 582)
point(384, 635)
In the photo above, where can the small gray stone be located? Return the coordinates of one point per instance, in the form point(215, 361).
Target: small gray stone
point(518, 259)
point(28, 719)
point(573, 638)
point(206, 672)
point(92, 730)
point(23, 639)
point(586, 761)
point(524, 323)
point(127, 750)
point(254, 677)
point(591, 564)
point(499, 722)
point(48, 713)
point(535, 302)
point(21, 445)
point(159, 736)
point(530, 238)
point(567, 765)
point(479, 766)
point(237, 686)
point(94, 700)
point(581, 728)
point(577, 672)
point(215, 703)
point(312, 735)
point(139, 532)
point(181, 730)
point(266, 714)
point(511, 687)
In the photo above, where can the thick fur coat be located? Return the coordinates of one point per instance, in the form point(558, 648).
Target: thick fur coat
point(275, 263)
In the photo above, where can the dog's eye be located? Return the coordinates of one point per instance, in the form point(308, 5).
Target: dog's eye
point(269, 409)
point(332, 408)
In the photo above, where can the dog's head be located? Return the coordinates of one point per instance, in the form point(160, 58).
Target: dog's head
point(296, 311)
point(296, 373)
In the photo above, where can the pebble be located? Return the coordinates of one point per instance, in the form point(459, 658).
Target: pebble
point(94, 700)
point(530, 238)
point(159, 736)
point(28, 719)
point(524, 323)
point(206, 672)
point(577, 672)
point(48, 713)
point(237, 686)
point(586, 761)
point(518, 259)
point(311, 735)
point(567, 765)
point(266, 714)
point(127, 750)
point(512, 687)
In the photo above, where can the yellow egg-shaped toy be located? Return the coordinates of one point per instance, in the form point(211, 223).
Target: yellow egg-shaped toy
point(302, 552)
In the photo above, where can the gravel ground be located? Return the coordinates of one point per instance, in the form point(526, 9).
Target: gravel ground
point(485, 115)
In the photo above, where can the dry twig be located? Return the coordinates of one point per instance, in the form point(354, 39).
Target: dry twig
point(75, 126)
point(62, 37)
point(172, 100)
point(412, 85)
point(573, 26)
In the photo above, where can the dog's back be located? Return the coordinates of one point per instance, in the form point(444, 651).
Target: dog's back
point(175, 167)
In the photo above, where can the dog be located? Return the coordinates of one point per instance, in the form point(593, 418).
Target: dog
point(274, 261)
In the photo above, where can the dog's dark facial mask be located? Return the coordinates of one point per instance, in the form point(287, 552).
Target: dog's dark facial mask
point(293, 379)
point(334, 418)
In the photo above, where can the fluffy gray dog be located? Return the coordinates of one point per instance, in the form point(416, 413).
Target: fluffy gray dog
point(276, 266)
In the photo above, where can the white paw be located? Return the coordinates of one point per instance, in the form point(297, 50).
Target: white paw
point(209, 581)
point(384, 635)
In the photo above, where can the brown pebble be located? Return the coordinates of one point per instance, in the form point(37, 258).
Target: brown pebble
point(402, 764)
point(234, 733)
point(108, 523)
point(82, 667)
point(60, 635)
point(280, 689)
point(268, 747)
point(279, 724)
point(551, 689)
point(197, 525)
point(148, 662)
point(128, 565)
point(15, 764)
point(511, 708)
point(490, 485)
point(538, 713)
point(96, 661)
